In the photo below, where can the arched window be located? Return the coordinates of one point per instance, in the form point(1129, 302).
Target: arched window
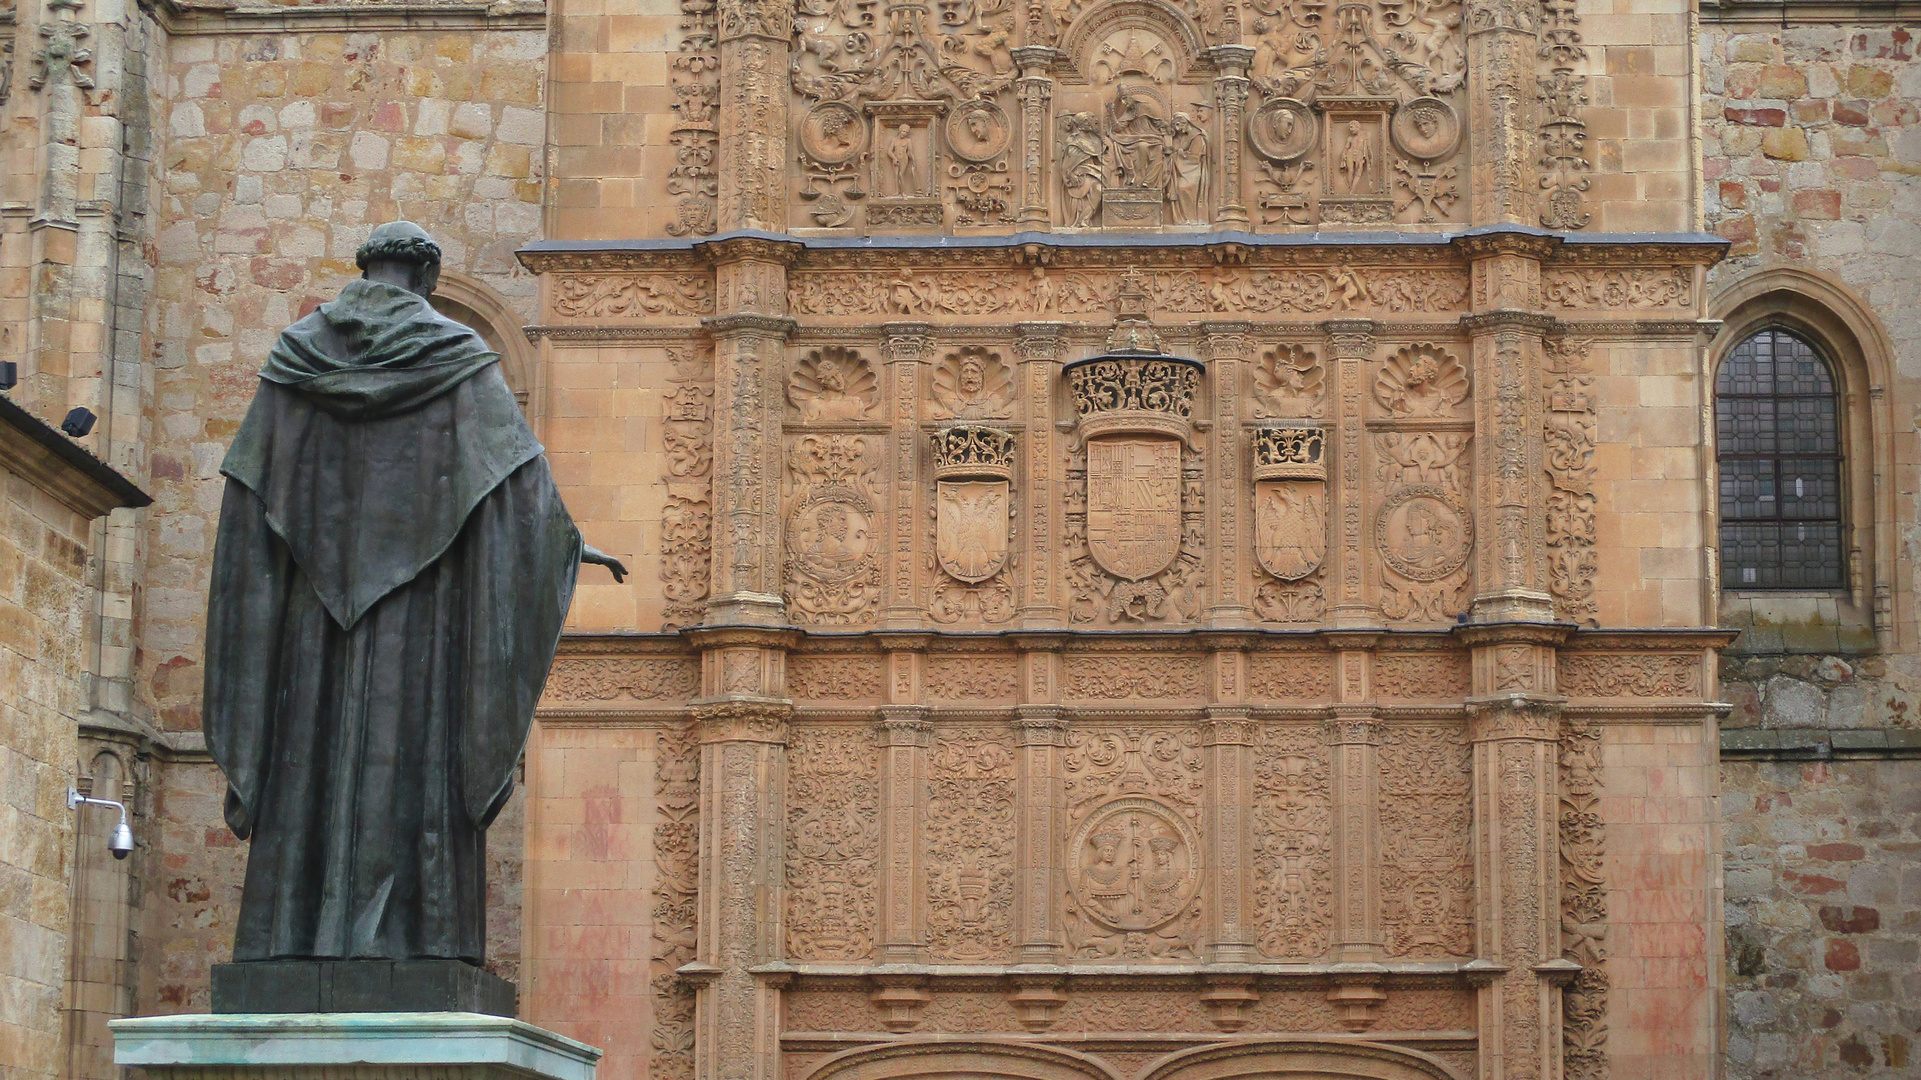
point(1777, 419)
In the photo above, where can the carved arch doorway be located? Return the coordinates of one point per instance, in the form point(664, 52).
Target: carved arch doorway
point(1300, 1059)
point(963, 1059)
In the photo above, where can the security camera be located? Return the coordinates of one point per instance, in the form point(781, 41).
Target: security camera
point(120, 841)
point(78, 423)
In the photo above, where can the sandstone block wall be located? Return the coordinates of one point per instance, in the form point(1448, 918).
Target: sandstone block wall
point(43, 618)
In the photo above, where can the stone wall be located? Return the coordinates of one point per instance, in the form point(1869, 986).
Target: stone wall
point(1823, 937)
point(43, 615)
point(282, 152)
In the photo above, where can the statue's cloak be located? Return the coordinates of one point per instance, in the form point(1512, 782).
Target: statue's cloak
point(390, 578)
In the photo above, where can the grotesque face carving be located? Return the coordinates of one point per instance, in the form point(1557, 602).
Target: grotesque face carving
point(973, 376)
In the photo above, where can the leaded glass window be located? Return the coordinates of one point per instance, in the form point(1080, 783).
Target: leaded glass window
point(1778, 424)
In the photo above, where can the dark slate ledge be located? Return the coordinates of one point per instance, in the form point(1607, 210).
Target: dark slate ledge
point(52, 442)
point(1117, 240)
point(1819, 744)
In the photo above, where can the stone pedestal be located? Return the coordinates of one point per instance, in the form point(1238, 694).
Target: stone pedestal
point(367, 1046)
point(359, 986)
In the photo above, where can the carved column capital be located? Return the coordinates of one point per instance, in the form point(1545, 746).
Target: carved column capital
point(906, 341)
point(1491, 720)
point(1352, 731)
point(742, 721)
point(904, 725)
point(1351, 339)
point(1231, 59)
point(1039, 341)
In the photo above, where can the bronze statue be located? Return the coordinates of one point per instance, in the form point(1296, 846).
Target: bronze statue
point(390, 578)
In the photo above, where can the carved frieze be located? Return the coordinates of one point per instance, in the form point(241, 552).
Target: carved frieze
point(610, 678)
point(834, 678)
point(1133, 677)
point(676, 836)
point(1426, 870)
point(833, 842)
point(1293, 843)
point(1569, 429)
point(1606, 288)
point(1044, 293)
point(1289, 676)
point(969, 843)
point(1646, 675)
point(971, 678)
point(687, 518)
point(1584, 904)
point(633, 296)
point(1422, 675)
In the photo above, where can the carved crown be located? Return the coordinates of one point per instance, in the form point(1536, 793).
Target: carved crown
point(1289, 454)
point(973, 452)
point(1118, 393)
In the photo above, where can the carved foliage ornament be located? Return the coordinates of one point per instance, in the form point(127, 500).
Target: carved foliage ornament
point(1584, 912)
point(687, 519)
point(833, 843)
point(676, 885)
point(1570, 422)
point(1293, 843)
point(970, 846)
point(1426, 878)
point(1119, 393)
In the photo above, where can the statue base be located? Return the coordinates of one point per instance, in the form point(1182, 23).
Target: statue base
point(360, 986)
point(366, 1046)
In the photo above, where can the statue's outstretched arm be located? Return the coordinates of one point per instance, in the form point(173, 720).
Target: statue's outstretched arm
point(592, 554)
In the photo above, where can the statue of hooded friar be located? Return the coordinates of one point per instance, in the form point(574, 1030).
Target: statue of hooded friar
point(390, 578)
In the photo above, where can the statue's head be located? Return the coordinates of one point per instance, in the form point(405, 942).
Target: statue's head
point(400, 253)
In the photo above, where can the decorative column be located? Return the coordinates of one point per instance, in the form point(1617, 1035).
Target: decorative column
point(1229, 735)
point(1036, 89)
point(1040, 346)
point(1350, 348)
point(1514, 722)
point(1040, 736)
point(1506, 342)
point(750, 335)
point(1353, 735)
point(741, 721)
point(1501, 57)
point(904, 735)
point(1230, 98)
point(904, 347)
point(753, 113)
point(1229, 345)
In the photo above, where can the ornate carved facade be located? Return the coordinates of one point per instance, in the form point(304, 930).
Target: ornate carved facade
point(1135, 615)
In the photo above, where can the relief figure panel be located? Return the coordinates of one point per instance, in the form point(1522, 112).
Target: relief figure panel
point(833, 842)
point(1132, 853)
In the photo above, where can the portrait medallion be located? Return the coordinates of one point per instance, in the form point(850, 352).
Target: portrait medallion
point(1424, 532)
point(1133, 864)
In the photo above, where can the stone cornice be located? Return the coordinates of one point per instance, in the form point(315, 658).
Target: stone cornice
point(190, 19)
point(50, 461)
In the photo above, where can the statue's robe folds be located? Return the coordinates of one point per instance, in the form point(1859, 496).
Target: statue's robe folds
point(390, 578)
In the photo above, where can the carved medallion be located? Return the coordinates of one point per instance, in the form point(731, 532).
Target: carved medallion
point(978, 131)
point(970, 533)
point(1134, 504)
point(833, 133)
point(1133, 864)
point(831, 533)
point(1282, 130)
point(1290, 527)
point(1424, 532)
point(1425, 128)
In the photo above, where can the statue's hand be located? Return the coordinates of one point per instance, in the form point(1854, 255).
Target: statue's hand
point(591, 554)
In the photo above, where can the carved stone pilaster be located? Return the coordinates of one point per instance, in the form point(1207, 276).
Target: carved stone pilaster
point(1352, 736)
point(753, 113)
point(1036, 90)
point(1229, 735)
point(1040, 733)
point(742, 806)
point(904, 735)
point(1501, 50)
point(1230, 345)
point(1511, 516)
point(1230, 98)
point(747, 417)
point(1039, 346)
point(1350, 347)
point(1516, 923)
point(905, 348)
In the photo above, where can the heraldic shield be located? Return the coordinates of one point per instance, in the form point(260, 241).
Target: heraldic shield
point(970, 528)
point(1134, 504)
point(1290, 527)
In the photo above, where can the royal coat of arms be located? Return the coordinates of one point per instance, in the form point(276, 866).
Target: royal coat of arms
point(970, 528)
point(1290, 527)
point(1134, 505)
